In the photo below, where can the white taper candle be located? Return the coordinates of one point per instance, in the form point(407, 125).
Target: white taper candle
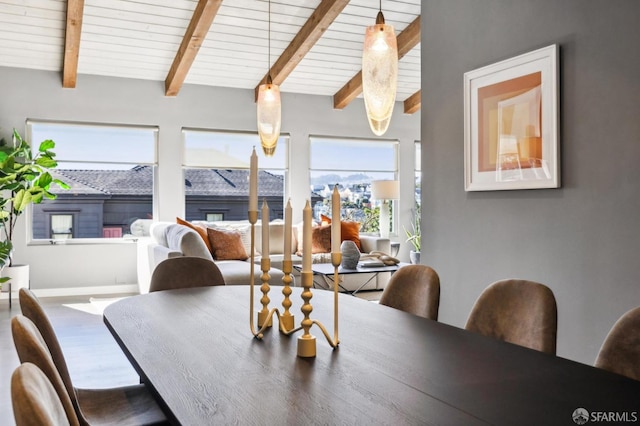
point(287, 231)
point(335, 221)
point(306, 238)
point(253, 182)
point(265, 229)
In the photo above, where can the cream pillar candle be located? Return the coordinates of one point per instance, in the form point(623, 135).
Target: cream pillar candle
point(335, 221)
point(253, 182)
point(265, 229)
point(306, 238)
point(287, 231)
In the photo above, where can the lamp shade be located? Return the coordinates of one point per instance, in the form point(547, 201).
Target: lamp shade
point(269, 117)
point(385, 189)
point(379, 74)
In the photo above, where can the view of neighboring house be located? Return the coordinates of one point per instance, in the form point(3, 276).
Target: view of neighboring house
point(104, 203)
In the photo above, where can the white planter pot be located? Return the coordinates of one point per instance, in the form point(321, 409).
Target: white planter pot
point(414, 257)
point(19, 275)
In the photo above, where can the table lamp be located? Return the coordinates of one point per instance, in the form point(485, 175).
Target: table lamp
point(385, 191)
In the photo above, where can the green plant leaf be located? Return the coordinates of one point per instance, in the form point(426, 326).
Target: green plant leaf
point(61, 184)
point(46, 162)
point(22, 200)
point(46, 146)
point(44, 180)
point(5, 253)
point(24, 179)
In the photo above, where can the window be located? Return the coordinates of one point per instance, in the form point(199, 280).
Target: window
point(61, 226)
point(215, 217)
point(351, 164)
point(110, 169)
point(418, 172)
point(216, 174)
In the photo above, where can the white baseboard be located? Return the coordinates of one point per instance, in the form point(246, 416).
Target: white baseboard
point(78, 291)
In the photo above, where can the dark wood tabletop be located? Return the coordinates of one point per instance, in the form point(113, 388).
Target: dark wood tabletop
point(195, 351)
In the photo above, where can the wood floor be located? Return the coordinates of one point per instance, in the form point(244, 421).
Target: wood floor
point(93, 357)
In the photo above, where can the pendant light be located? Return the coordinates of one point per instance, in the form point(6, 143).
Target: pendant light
point(269, 108)
point(379, 73)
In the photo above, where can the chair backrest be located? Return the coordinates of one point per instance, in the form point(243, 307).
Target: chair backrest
point(35, 401)
point(517, 311)
point(32, 309)
point(32, 348)
point(185, 272)
point(414, 289)
point(620, 351)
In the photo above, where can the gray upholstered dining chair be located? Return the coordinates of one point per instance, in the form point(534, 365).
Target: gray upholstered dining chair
point(414, 289)
point(517, 311)
point(35, 400)
point(620, 351)
point(185, 272)
point(36, 342)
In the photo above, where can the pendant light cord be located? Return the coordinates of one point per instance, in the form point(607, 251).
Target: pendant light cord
point(379, 17)
point(269, 46)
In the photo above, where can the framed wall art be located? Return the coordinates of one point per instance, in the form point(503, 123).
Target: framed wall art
point(511, 123)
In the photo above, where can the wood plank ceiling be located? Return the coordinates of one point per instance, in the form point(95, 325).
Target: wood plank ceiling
point(316, 45)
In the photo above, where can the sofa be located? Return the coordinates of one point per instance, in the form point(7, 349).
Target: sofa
point(162, 240)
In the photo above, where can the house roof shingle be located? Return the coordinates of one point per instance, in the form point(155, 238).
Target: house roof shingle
point(139, 181)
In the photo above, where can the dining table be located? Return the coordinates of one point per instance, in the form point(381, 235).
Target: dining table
point(195, 350)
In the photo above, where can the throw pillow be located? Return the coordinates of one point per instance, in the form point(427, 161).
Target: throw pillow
point(201, 231)
point(298, 230)
point(325, 220)
point(242, 228)
point(226, 245)
point(349, 230)
point(321, 239)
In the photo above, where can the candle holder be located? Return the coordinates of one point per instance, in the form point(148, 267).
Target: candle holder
point(287, 320)
point(306, 346)
point(264, 319)
point(306, 342)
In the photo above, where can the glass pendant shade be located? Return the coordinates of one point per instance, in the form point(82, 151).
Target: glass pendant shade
point(379, 74)
point(269, 117)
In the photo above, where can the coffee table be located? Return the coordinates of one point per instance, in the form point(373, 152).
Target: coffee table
point(326, 271)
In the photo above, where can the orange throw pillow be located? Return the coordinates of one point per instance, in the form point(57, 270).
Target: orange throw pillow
point(226, 244)
point(351, 231)
point(325, 220)
point(201, 231)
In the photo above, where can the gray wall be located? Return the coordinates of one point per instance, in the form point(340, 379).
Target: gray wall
point(67, 268)
point(583, 239)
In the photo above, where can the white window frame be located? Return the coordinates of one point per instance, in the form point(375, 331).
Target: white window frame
point(215, 133)
point(127, 239)
point(350, 140)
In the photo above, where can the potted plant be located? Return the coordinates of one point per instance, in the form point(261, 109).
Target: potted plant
point(413, 236)
point(24, 179)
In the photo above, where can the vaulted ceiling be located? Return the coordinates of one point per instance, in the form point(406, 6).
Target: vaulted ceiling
point(315, 45)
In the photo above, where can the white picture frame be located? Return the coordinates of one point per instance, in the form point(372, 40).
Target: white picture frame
point(511, 130)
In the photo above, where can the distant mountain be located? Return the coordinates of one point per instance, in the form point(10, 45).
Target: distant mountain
point(332, 179)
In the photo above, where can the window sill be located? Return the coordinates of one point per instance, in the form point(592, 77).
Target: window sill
point(86, 241)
